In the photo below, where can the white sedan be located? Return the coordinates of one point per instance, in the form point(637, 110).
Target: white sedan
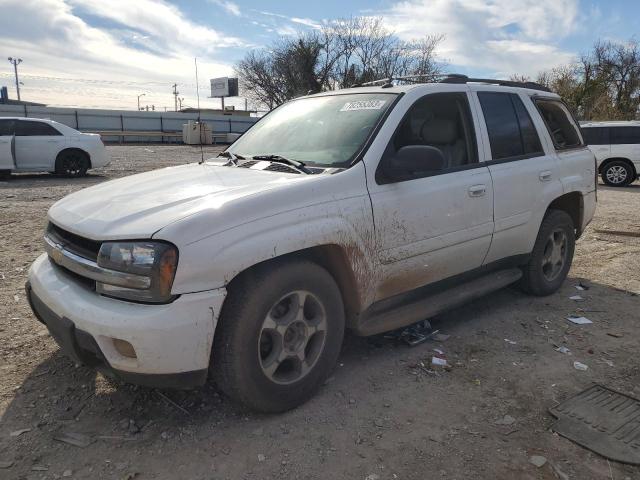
point(36, 145)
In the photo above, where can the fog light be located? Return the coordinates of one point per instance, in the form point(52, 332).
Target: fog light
point(124, 348)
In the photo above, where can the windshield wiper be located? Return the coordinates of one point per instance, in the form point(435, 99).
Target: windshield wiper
point(297, 164)
point(233, 158)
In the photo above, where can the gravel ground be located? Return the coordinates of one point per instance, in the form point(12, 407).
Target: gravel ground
point(384, 414)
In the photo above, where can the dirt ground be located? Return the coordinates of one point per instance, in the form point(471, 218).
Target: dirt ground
point(382, 415)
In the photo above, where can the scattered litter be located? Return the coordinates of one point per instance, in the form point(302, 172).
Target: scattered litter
point(537, 460)
point(439, 361)
point(413, 334)
point(608, 362)
point(615, 335)
point(261, 457)
point(581, 286)
point(510, 342)
point(372, 476)
point(506, 420)
point(576, 298)
point(579, 320)
point(130, 476)
point(75, 439)
point(67, 473)
point(440, 337)
point(17, 433)
point(438, 351)
point(563, 349)
point(580, 366)
point(39, 468)
point(149, 150)
point(4, 465)
point(16, 298)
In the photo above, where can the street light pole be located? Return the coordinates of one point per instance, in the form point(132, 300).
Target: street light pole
point(141, 95)
point(15, 62)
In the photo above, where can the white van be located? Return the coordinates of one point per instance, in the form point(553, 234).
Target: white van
point(616, 146)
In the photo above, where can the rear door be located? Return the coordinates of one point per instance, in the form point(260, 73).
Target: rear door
point(36, 145)
point(432, 225)
point(524, 172)
point(625, 143)
point(6, 144)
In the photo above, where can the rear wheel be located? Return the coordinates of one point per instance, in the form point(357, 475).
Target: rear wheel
point(280, 335)
point(552, 254)
point(617, 174)
point(72, 163)
point(4, 174)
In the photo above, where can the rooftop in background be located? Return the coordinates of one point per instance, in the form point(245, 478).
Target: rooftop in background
point(5, 100)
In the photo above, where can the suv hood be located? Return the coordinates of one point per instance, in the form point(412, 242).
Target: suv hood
point(137, 206)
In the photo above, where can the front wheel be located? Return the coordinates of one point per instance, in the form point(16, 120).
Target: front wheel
point(617, 174)
point(72, 163)
point(552, 254)
point(280, 335)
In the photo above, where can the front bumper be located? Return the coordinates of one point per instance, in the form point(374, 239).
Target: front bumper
point(172, 342)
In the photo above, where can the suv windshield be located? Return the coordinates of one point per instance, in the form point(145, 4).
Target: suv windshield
point(325, 131)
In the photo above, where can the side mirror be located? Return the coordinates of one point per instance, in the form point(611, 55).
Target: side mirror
point(412, 160)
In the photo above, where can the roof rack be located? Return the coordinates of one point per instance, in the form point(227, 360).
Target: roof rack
point(458, 78)
point(452, 78)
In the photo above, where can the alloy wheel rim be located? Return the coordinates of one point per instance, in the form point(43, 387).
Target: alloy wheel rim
point(292, 337)
point(554, 255)
point(617, 174)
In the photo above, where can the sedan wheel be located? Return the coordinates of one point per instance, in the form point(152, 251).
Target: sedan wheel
point(72, 164)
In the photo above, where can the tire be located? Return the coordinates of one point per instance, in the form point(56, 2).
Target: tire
point(555, 243)
point(617, 174)
point(5, 174)
point(260, 324)
point(72, 163)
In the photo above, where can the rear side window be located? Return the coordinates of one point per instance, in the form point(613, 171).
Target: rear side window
point(6, 127)
point(25, 128)
point(562, 128)
point(596, 135)
point(511, 131)
point(625, 135)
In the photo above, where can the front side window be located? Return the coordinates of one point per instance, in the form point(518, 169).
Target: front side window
point(443, 121)
point(596, 135)
point(511, 131)
point(562, 128)
point(625, 135)
point(326, 131)
point(6, 128)
point(26, 128)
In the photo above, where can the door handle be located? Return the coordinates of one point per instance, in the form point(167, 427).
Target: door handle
point(545, 176)
point(477, 190)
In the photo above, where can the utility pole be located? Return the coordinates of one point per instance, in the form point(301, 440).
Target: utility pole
point(175, 96)
point(141, 95)
point(180, 100)
point(15, 62)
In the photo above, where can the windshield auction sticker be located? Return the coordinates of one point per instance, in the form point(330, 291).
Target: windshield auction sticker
point(363, 105)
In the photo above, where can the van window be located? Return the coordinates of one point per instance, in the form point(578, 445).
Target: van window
point(443, 121)
point(596, 135)
point(25, 128)
point(625, 135)
point(562, 128)
point(511, 131)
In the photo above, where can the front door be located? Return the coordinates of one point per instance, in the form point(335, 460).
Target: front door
point(6, 145)
point(36, 145)
point(437, 223)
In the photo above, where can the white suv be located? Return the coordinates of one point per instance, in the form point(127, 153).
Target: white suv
point(37, 145)
point(616, 146)
point(367, 208)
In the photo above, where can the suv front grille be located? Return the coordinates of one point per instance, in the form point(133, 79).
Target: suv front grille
point(74, 243)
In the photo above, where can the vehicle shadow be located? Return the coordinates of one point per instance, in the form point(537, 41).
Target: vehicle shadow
point(59, 397)
point(633, 187)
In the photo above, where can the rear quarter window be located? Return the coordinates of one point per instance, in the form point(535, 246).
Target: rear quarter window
point(596, 135)
point(562, 127)
point(625, 135)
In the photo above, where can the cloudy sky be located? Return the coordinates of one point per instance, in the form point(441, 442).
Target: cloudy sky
point(97, 53)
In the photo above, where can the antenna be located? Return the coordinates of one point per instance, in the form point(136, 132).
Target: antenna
point(195, 60)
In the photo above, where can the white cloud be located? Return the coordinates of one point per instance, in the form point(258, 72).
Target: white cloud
point(230, 7)
point(153, 46)
point(501, 36)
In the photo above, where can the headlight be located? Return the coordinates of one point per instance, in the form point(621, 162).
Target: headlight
point(156, 261)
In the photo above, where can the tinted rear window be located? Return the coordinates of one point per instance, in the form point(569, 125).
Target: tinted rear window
point(25, 128)
point(511, 131)
point(596, 135)
point(562, 128)
point(622, 135)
